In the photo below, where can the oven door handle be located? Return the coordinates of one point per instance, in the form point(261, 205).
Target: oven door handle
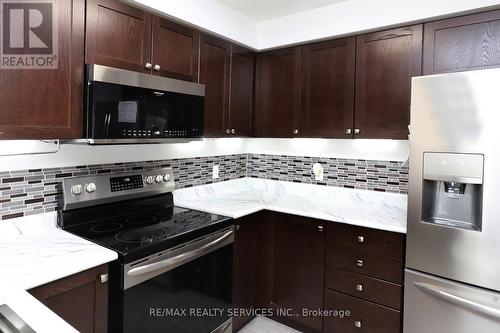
point(180, 258)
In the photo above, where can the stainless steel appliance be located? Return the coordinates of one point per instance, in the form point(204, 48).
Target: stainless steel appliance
point(452, 278)
point(129, 107)
point(10, 322)
point(174, 271)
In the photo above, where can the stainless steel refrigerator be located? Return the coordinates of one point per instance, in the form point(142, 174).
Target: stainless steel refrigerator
point(452, 277)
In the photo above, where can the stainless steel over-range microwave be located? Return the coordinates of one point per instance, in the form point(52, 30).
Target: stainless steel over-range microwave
point(128, 107)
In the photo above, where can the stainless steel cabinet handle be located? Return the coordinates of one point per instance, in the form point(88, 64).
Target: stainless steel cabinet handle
point(357, 323)
point(359, 263)
point(183, 257)
point(356, 131)
point(458, 300)
point(348, 131)
point(228, 131)
point(359, 287)
point(320, 228)
point(148, 65)
point(157, 68)
point(361, 239)
point(295, 131)
point(233, 131)
point(237, 227)
point(104, 278)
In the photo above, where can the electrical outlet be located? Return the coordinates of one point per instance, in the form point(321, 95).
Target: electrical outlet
point(318, 171)
point(215, 172)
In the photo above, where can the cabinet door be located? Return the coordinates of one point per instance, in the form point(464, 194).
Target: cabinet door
point(245, 249)
point(298, 267)
point(118, 35)
point(462, 43)
point(81, 299)
point(215, 58)
point(278, 94)
point(241, 97)
point(328, 89)
point(175, 50)
point(385, 63)
point(48, 103)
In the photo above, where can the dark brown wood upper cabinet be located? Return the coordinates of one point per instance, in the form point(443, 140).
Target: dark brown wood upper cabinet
point(215, 62)
point(80, 299)
point(462, 43)
point(298, 267)
point(328, 89)
point(48, 103)
point(278, 96)
point(385, 63)
point(241, 93)
point(118, 35)
point(175, 50)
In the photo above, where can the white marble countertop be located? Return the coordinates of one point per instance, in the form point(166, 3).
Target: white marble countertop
point(33, 252)
point(244, 196)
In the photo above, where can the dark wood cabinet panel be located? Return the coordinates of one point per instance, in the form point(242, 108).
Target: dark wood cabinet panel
point(241, 94)
point(175, 50)
point(385, 63)
point(462, 43)
point(118, 35)
point(81, 299)
point(48, 103)
point(365, 287)
point(363, 262)
point(215, 61)
point(364, 316)
point(278, 96)
point(245, 249)
point(381, 242)
point(298, 267)
point(328, 89)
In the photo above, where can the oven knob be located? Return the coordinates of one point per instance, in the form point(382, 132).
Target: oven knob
point(166, 177)
point(159, 178)
point(150, 180)
point(77, 189)
point(90, 187)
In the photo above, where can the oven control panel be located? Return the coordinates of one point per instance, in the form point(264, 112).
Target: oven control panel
point(91, 190)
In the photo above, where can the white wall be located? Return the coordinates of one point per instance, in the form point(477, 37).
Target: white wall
point(208, 15)
point(72, 155)
point(343, 18)
point(354, 16)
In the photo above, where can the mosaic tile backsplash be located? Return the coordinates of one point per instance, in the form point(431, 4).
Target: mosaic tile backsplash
point(34, 191)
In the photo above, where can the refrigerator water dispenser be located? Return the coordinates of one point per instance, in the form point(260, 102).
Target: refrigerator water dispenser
point(452, 190)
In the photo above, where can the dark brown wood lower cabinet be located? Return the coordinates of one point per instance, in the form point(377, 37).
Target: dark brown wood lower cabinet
point(80, 299)
point(364, 316)
point(244, 267)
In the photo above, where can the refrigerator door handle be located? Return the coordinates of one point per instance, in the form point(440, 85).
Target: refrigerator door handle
point(458, 300)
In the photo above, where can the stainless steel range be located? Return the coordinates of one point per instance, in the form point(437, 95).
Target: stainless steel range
point(174, 264)
point(452, 280)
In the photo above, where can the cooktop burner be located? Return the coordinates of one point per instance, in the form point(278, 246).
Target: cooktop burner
point(142, 235)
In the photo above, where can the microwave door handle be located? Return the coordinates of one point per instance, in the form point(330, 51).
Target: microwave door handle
point(180, 259)
point(459, 300)
point(107, 120)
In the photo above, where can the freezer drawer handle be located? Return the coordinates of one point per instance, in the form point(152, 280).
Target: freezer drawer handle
point(181, 258)
point(458, 300)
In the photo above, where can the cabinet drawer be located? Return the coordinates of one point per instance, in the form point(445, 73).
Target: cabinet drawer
point(374, 241)
point(364, 316)
point(368, 288)
point(361, 262)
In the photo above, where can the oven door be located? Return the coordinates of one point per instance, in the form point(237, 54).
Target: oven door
point(185, 289)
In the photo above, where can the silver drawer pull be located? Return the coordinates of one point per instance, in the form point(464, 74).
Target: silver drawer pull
point(348, 131)
point(359, 287)
point(359, 263)
point(361, 239)
point(104, 278)
point(320, 228)
point(357, 323)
